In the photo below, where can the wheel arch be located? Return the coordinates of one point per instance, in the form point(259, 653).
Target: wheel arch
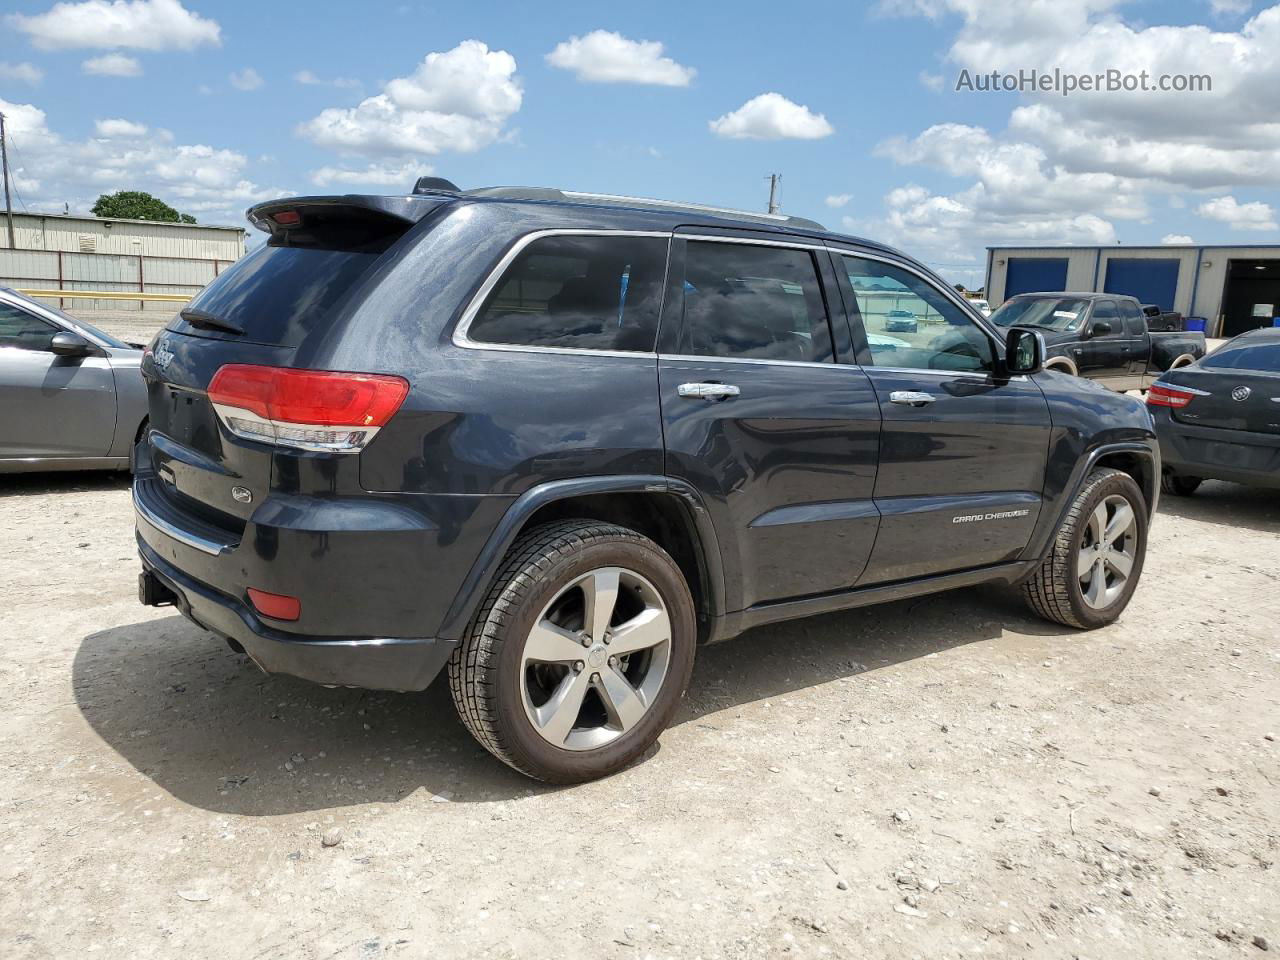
point(1063, 365)
point(669, 512)
point(1184, 360)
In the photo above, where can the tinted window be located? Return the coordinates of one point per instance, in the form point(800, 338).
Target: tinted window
point(1104, 311)
point(280, 294)
point(1246, 353)
point(20, 329)
point(594, 293)
point(1135, 322)
point(754, 302)
point(1050, 313)
point(910, 323)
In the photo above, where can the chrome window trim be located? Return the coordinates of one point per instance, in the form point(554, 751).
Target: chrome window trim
point(971, 312)
point(461, 337)
point(791, 363)
point(752, 241)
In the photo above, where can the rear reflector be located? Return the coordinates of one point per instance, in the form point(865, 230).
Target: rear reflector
point(322, 410)
point(1167, 395)
point(277, 606)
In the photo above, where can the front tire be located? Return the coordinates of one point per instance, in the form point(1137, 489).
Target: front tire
point(1094, 564)
point(579, 654)
point(1179, 486)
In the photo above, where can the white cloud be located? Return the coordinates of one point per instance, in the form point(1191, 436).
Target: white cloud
point(403, 176)
point(603, 56)
point(309, 79)
point(111, 24)
point(194, 178)
point(837, 200)
point(772, 116)
point(1225, 8)
point(1176, 238)
point(457, 100)
point(1239, 216)
point(120, 128)
point(246, 79)
point(27, 73)
point(931, 81)
point(112, 65)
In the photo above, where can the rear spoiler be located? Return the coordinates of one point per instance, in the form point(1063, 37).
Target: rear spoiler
point(277, 216)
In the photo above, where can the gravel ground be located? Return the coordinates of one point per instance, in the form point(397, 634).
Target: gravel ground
point(941, 777)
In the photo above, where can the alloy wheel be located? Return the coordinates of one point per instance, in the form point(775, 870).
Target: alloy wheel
point(1107, 552)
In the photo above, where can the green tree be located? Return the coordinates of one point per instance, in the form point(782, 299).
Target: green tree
point(137, 205)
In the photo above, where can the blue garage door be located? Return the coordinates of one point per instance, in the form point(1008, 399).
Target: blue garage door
point(1151, 281)
point(1034, 275)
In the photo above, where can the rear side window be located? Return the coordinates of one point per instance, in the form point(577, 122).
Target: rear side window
point(1248, 353)
point(1135, 322)
point(582, 292)
point(753, 302)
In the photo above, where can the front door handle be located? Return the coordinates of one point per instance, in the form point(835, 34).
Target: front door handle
point(911, 398)
point(708, 391)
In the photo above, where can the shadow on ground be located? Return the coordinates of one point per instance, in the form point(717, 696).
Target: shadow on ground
point(1228, 504)
point(80, 481)
point(208, 727)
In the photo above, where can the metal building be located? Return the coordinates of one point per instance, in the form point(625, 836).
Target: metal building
point(56, 252)
point(1234, 288)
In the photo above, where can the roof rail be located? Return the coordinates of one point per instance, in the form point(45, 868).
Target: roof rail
point(571, 196)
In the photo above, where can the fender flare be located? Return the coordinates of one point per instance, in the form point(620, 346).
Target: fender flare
point(480, 576)
point(1184, 360)
point(1063, 364)
point(1042, 539)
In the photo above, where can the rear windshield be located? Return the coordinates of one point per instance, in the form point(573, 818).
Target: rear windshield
point(1246, 354)
point(279, 295)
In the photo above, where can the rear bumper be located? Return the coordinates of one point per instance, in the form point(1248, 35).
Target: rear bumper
point(1215, 453)
point(378, 663)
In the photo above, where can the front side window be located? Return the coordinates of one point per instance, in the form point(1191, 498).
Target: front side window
point(23, 330)
point(911, 324)
point(754, 302)
point(583, 292)
point(1104, 311)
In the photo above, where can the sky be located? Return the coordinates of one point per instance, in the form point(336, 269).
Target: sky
point(216, 106)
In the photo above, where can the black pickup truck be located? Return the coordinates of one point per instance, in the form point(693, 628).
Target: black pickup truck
point(1100, 336)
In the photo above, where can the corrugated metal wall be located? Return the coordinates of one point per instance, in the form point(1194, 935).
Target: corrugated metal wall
point(84, 253)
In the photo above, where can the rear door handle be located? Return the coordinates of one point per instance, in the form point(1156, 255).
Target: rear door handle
point(911, 398)
point(708, 391)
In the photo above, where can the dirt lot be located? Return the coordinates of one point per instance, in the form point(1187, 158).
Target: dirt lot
point(942, 777)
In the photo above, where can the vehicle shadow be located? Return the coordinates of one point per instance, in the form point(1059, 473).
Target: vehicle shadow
point(1229, 505)
point(36, 484)
point(208, 727)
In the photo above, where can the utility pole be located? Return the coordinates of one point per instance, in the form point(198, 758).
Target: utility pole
point(774, 180)
point(4, 162)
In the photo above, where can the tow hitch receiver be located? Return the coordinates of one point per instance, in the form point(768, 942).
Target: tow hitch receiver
point(152, 592)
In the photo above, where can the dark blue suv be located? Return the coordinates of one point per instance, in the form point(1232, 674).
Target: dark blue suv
point(554, 441)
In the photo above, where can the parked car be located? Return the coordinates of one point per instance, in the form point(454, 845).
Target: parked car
point(982, 306)
point(71, 396)
point(554, 441)
point(1100, 336)
point(901, 321)
point(1161, 320)
point(1219, 418)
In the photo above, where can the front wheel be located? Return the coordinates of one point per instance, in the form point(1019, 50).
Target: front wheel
point(1095, 561)
point(580, 653)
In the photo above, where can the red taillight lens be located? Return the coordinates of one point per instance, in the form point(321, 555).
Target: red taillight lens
point(287, 218)
point(301, 408)
point(1167, 395)
point(277, 606)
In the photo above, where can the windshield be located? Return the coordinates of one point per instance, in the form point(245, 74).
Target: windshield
point(1049, 313)
point(75, 324)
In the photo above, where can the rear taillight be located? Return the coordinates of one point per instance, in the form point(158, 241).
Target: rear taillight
point(1168, 395)
point(322, 410)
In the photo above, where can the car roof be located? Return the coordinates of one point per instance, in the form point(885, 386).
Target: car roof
point(1083, 295)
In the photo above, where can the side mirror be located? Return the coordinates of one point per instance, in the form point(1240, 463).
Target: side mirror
point(1100, 329)
point(1023, 352)
point(68, 344)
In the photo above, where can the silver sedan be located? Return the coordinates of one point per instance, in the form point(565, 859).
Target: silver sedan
point(71, 396)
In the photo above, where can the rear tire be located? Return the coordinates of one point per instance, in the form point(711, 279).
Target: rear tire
point(579, 654)
point(1095, 561)
point(1179, 486)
